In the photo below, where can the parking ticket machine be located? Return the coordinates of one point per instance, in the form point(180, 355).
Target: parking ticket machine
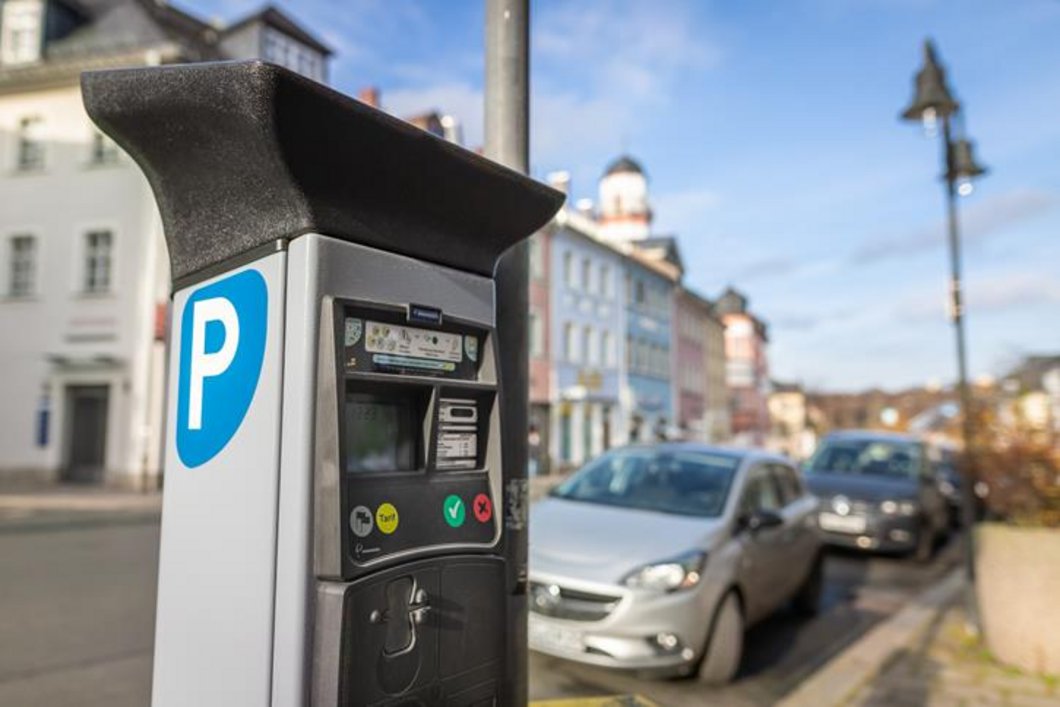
point(336, 515)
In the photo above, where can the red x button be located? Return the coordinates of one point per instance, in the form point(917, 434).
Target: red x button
point(482, 507)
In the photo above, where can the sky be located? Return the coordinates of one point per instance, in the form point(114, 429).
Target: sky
point(770, 135)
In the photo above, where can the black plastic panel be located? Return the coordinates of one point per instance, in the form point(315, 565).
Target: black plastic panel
point(244, 154)
point(420, 501)
point(456, 653)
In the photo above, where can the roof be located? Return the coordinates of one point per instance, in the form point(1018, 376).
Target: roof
point(625, 163)
point(1029, 373)
point(665, 247)
point(731, 301)
point(244, 154)
point(273, 17)
point(781, 387)
point(117, 33)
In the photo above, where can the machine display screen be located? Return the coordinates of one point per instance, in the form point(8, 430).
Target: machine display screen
point(380, 433)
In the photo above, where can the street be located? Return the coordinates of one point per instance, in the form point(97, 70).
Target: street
point(77, 608)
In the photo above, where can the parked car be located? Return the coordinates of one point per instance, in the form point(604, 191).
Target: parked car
point(877, 491)
point(657, 558)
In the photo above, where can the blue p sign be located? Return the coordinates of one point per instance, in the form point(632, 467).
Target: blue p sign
point(222, 346)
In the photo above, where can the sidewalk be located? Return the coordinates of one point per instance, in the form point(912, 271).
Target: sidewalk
point(20, 507)
point(924, 656)
point(945, 666)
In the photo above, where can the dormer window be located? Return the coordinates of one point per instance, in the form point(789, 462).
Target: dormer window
point(20, 31)
point(280, 49)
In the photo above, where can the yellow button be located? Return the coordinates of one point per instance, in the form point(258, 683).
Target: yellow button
point(386, 518)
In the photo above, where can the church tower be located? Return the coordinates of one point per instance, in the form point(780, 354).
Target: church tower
point(625, 214)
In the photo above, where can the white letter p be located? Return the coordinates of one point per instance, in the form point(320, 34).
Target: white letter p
point(207, 365)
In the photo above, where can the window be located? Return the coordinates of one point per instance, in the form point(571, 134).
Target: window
point(20, 31)
point(281, 49)
point(568, 269)
point(788, 482)
point(588, 350)
point(30, 151)
point(537, 262)
point(761, 493)
point(607, 343)
point(98, 249)
point(570, 344)
point(587, 275)
point(605, 281)
point(22, 266)
point(104, 150)
point(537, 335)
point(639, 299)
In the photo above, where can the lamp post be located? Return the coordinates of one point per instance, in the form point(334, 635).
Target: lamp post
point(933, 104)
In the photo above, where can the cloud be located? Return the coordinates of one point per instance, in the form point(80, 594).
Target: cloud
point(987, 295)
point(682, 208)
point(627, 46)
point(458, 99)
point(769, 266)
point(981, 221)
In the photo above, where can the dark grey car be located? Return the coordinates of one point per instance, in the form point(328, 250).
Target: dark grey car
point(877, 491)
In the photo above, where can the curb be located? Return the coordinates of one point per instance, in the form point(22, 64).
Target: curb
point(835, 682)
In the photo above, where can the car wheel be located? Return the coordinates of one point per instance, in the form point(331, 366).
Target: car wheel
point(721, 658)
point(925, 544)
point(808, 598)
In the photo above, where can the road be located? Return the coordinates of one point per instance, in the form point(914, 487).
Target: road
point(77, 604)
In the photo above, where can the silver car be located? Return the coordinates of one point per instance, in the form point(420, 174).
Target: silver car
point(656, 558)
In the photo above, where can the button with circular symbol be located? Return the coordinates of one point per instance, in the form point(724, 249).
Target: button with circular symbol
point(482, 507)
point(454, 511)
point(361, 522)
point(386, 517)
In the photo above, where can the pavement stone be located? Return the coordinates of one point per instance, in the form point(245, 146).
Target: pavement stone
point(946, 666)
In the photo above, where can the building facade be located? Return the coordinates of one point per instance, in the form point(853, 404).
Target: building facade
point(648, 392)
point(747, 369)
point(789, 412)
point(700, 391)
point(587, 331)
point(540, 337)
point(718, 423)
point(84, 271)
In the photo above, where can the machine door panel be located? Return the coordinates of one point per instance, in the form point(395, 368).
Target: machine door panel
point(430, 632)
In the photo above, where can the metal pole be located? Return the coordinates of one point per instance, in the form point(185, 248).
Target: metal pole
point(957, 314)
point(507, 141)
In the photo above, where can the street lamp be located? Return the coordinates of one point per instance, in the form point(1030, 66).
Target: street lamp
point(933, 103)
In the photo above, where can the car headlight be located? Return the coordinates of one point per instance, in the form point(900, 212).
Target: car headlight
point(669, 575)
point(904, 508)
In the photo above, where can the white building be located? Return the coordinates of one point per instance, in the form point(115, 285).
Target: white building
point(83, 266)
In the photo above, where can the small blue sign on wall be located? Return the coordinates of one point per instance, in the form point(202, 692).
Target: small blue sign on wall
point(43, 414)
point(222, 346)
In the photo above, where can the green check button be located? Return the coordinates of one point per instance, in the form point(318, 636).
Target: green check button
point(454, 511)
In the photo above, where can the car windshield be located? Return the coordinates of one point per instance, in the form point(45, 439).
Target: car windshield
point(692, 483)
point(867, 457)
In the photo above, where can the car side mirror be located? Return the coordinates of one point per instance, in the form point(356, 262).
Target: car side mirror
point(760, 519)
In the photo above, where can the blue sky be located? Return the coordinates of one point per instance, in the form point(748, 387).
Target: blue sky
point(769, 131)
